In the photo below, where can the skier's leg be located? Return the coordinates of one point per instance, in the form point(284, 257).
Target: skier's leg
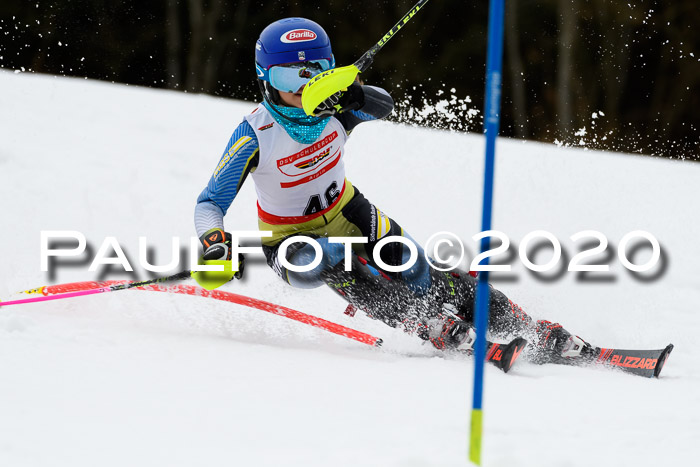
point(392, 302)
point(550, 341)
point(301, 254)
point(459, 289)
point(402, 298)
point(364, 286)
point(373, 292)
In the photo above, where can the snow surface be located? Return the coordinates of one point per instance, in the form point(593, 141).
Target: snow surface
point(138, 378)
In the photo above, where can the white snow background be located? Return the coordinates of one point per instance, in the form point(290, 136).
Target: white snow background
point(144, 379)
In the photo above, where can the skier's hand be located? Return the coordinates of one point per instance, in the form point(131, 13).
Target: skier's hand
point(353, 98)
point(217, 245)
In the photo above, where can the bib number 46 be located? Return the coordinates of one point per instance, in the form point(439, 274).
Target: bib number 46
point(316, 203)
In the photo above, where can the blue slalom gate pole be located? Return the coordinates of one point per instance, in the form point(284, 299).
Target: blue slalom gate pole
point(492, 107)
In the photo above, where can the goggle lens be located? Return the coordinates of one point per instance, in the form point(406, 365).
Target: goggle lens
point(290, 78)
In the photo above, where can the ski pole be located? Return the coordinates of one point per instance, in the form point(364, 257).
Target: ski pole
point(329, 82)
point(78, 293)
point(262, 305)
point(74, 289)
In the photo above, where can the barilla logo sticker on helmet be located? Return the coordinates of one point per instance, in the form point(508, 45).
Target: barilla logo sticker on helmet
point(298, 35)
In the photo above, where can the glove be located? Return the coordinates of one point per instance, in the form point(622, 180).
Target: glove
point(217, 246)
point(353, 98)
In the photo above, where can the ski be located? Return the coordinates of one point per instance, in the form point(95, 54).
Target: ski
point(647, 363)
point(502, 356)
point(505, 355)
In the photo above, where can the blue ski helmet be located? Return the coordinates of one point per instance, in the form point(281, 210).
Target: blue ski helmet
point(288, 41)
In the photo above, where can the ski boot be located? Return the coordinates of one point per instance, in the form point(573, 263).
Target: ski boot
point(554, 344)
point(448, 331)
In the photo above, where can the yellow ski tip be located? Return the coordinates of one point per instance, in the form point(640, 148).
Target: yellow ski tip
point(322, 86)
point(475, 437)
point(211, 280)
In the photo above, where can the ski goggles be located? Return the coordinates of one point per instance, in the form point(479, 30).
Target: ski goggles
point(291, 77)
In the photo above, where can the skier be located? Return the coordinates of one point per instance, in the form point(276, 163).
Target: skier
point(296, 162)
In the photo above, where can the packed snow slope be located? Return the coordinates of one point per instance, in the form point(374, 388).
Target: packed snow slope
point(143, 379)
